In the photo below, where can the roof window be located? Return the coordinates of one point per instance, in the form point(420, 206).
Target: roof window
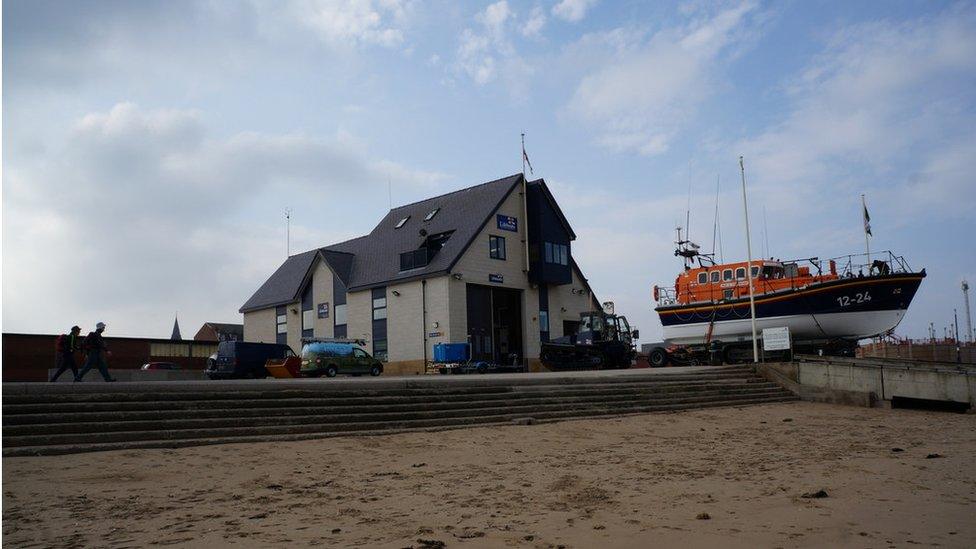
point(432, 214)
point(402, 222)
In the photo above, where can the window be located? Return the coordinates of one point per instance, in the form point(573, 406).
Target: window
point(702, 277)
point(727, 294)
point(740, 273)
point(727, 274)
point(308, 319)
point(340, 314)
point(715, 276)
point(379, 350)
point(402, 222)
point(755, 272)
point(359, 353)
point(543, 321)
point(557, 254)
point(496, 247)
point(282, 323)
point(431, 215)
point(379, 308)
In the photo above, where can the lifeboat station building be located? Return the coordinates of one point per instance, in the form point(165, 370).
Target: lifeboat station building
point(490, 265)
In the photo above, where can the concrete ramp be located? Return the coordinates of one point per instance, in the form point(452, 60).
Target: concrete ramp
point(41, 419)
point(874, 381)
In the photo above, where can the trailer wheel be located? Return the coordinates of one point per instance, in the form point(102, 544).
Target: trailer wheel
point(658, 357)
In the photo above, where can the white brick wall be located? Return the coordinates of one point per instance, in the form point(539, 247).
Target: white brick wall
point(360, 316)
point(259, 326)
point(322, 293)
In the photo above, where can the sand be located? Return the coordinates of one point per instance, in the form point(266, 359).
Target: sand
point(637, 481)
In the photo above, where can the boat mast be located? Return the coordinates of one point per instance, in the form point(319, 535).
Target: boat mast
point(752, 297)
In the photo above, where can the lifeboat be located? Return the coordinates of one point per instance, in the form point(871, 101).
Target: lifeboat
point(845, 298)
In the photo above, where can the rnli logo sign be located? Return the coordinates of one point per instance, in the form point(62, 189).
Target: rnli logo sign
point(507, 223)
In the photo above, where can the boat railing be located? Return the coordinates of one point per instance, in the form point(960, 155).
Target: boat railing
point(875, 263)
point(845, 266)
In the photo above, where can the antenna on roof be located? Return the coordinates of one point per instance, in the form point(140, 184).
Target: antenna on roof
point(287, 232)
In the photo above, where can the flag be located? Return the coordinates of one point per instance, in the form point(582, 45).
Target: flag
point(525, 157)
point(867, 221)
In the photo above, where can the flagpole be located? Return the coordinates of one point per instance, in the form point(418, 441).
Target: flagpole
point(523, 154)
point(752, 298)
point(864, 213)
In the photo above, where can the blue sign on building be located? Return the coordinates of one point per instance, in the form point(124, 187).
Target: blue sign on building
point(496, 278)
point(507, 222)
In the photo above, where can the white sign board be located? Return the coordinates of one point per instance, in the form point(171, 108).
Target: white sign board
point(776, 339)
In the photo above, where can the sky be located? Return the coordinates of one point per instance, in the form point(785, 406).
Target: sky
point(150, 149)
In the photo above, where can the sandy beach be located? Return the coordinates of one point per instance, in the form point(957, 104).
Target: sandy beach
point(730, 477)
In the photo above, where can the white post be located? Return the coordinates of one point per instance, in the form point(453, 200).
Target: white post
point(752, 298)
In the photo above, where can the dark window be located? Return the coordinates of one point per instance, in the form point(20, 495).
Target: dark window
point(379, 308)
point(379, 350)
point(544, 321)
point(755, 272)
point(702, 277)
point(727, 274)
point(339, 311)
point(727, 294)
point(557, 254)
point(740, 273)
point(423, 255)
point(715, 276)
point(496, 247)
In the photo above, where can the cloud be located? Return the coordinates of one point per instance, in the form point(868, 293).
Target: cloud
point(572, 10)
point(135, 213)
point(642, 98)
point(486, 52)
point(344, 23)
point(880, 109)
point(533, 25)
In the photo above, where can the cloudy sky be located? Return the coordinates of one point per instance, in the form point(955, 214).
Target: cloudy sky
point(150, 148)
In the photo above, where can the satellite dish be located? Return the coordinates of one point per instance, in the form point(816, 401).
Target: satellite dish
point(423, 232)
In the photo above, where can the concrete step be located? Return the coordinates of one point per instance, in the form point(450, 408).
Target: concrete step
point(78, 411)
point(101, 422)
point(368, 428)
point(146, 401)
point(230, 390)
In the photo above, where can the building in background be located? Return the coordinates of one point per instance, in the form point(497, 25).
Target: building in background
point(219, 331)
point(28, 357)
point(491, 265)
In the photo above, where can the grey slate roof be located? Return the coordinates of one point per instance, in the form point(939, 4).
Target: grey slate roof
point(374, 259)
point(283, 285)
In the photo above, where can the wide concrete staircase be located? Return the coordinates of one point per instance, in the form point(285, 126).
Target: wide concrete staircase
point(49, 419)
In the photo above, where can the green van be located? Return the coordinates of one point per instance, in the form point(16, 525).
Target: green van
point(331, 358)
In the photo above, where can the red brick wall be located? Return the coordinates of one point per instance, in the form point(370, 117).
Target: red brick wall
point(27, 357)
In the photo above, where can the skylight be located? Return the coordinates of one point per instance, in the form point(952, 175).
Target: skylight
point(432, 214)
point(402, 222)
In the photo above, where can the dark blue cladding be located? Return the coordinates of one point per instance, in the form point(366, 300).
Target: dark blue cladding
point(876, 293)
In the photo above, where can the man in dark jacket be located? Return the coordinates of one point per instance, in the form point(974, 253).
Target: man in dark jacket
point(97, 351)
point(64, 353)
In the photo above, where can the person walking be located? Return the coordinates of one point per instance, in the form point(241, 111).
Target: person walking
point(97, 351)
point(64, 353)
